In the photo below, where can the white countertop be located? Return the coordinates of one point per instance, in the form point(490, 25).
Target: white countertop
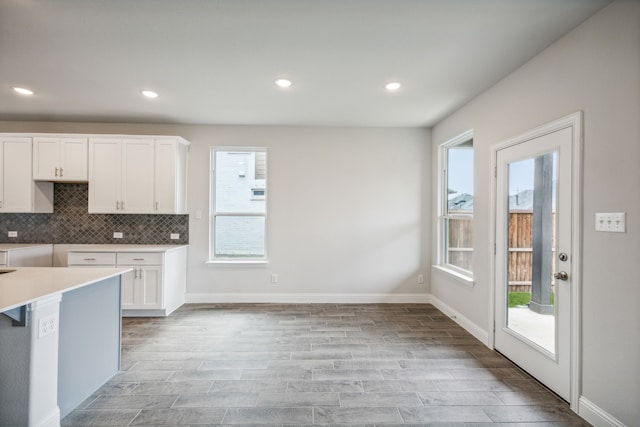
point(18, 246)
point(28, 284)
point(124, 248)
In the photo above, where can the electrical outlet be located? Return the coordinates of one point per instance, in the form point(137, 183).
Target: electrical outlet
point(274, 278)
point(614, 222)
point(117, 235)
point(47, 326)
point(13, 234)
point(174, 236)
point(420, 279)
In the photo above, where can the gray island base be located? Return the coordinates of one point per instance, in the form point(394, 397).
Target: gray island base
point(69, 346)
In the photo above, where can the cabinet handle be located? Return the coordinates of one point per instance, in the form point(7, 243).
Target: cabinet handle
point(138, 259)
point(156, 205)
point(60, 171)
point(122, 205)
point(56, 171)
point(117, 205)
point(89, 259)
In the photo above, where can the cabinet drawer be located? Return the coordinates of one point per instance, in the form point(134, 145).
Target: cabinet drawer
point(3, 258)
point(140, 258)
point(91, 258)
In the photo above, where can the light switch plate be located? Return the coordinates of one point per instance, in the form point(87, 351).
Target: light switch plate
point(174, 236)
point(611, 222)
point(117, 235)
point(13, 234)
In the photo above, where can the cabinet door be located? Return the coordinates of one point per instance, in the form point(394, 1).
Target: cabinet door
point(137, 175)
point(17, 180)
point(128, 284)
point(165, 179)
point(151, 286)
point(105, 167)
point(46, 159)
point(73, 159)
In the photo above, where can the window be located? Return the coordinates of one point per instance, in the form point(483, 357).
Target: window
point(238, 204)
point(455, 234)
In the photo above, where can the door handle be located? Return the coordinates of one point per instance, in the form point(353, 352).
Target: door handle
point(561, 275)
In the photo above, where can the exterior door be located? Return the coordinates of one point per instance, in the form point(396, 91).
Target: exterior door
point(534, 254)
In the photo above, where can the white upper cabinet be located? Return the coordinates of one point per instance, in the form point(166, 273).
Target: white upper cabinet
point(18, 191)
point(170, 177)
point(61, 159)
point(137, 175)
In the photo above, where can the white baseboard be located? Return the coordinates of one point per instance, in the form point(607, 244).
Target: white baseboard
point(306, 298)
point(596, 415)
point(51, 420)
point(471, 327)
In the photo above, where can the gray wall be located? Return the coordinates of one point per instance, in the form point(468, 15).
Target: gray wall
point(348, 209)
point(596, 69)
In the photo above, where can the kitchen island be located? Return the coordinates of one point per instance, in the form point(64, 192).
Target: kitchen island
point(59, 340)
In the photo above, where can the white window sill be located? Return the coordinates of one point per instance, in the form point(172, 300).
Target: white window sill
point(464, 279)
point(237, 263)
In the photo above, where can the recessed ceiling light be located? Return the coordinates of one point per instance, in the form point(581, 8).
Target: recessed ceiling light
point(392, 86)
point(23, 91)
point(149, 93)
point(284, 83)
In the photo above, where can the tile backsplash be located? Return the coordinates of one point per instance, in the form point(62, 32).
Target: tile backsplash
point(70, 223)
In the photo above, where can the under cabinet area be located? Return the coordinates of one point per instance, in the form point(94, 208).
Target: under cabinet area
point(61, 159)
point(156, 285)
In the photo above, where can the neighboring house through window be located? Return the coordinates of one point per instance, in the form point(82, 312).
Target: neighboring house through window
point(238, 204)
point(455, 216)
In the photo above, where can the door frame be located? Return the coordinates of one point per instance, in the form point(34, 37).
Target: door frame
point(573, 121)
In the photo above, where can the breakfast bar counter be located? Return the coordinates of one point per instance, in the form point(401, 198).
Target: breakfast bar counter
point(60, 331)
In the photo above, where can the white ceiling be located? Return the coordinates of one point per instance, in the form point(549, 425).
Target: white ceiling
point(214, 61)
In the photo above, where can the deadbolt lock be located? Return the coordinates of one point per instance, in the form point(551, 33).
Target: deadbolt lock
point(563, 256)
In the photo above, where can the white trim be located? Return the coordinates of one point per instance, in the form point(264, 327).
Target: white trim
point(463, 277)
point(239, 262)
point(597, 416)
point(51, 420)
point(474, 329)
point(573, 121)
point(443, 188)
point(306, 298)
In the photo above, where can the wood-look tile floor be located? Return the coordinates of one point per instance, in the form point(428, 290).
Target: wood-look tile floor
point(316, 364)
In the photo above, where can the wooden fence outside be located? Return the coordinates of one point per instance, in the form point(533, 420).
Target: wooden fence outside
point(520, 248)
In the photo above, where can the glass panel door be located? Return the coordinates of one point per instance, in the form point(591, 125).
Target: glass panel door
point(530, 287)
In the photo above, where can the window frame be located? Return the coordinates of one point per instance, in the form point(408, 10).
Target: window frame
point(460, 274)
point(213, 259)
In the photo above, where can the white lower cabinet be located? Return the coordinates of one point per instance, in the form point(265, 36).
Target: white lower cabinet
point(141, 288)
point(156, 285)
point(26, 255)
